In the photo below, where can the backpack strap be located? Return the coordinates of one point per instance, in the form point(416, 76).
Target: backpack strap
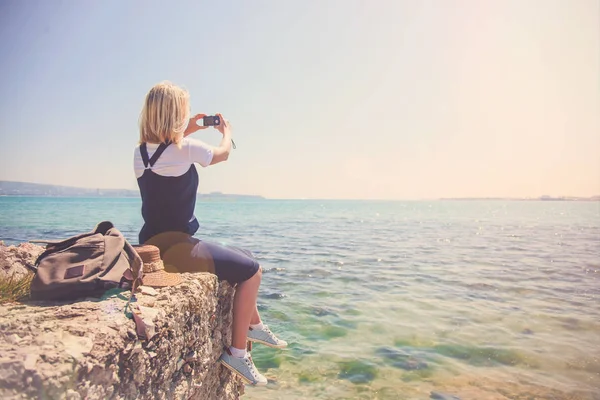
point(136, 265)
point(53, 247)
point(137, 270)
point(42, 241)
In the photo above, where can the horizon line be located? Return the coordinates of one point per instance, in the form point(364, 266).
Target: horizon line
point(513, 198)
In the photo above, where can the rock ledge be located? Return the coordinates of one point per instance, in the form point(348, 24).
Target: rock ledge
point(88, 349)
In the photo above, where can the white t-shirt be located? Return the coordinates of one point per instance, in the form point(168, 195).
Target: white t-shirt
point(174, 161)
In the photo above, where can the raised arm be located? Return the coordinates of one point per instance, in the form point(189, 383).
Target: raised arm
point(193, 125)
point(221, 153)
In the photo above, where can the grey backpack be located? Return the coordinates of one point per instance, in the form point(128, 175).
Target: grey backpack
point(86, 265)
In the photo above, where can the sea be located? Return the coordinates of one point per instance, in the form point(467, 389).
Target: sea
point(394, 299)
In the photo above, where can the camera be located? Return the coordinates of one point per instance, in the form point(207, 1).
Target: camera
point(211, 120)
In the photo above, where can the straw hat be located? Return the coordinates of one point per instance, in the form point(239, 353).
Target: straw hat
point(154, 268)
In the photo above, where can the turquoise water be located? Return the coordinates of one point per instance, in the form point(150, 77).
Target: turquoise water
point(391, 300)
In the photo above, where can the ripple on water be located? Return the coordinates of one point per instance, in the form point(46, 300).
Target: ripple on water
point(320, 330)
point(310, 376)
point(357, 371)
point(352, 311)
point(330, 331)
point(277, 315)
point(298, 350)
point(267, 358)
point(321, 311)
point(274, 270)
point(272, 295)
point(481, 356)
point(401, 359)
point(318, 272)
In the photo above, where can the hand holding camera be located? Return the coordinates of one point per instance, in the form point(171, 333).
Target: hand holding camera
point(193, 125)
point(216, 121)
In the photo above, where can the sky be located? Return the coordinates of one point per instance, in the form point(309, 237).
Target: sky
point(327, 99)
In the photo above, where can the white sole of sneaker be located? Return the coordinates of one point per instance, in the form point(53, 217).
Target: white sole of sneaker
point(267, 344)
point(235, 371)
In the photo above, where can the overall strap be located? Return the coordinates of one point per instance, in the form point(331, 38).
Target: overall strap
point(144, 154)
point(155, 156)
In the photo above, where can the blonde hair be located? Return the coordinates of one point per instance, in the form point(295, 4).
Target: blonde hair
point(165, 114)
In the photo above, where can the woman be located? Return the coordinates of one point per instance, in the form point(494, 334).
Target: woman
point(168, 181)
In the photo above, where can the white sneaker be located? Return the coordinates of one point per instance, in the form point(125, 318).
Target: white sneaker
point(266, 337)
point(243, 367)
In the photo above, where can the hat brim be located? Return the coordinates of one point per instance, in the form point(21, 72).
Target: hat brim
point(161, 279)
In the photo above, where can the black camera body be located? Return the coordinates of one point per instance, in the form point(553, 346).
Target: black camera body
point(211, 120)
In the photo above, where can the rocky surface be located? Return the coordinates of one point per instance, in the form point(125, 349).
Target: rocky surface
point(89, 349)
point(14, 259)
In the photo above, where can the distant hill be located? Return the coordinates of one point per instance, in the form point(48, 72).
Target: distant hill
point(541, 198)
point(226, 196)
point(8, 188)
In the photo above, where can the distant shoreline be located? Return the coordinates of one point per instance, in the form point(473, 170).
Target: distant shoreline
point(542, 198)
point(26, 189)
point(232, 198)
point(200, 196)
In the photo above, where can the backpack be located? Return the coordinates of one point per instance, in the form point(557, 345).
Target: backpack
point(86, 265)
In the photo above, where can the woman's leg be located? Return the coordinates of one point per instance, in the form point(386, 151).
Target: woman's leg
point(236, 267)
point(244, 309)
point(261, 333)
point(239, 267)
point(255, 317)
